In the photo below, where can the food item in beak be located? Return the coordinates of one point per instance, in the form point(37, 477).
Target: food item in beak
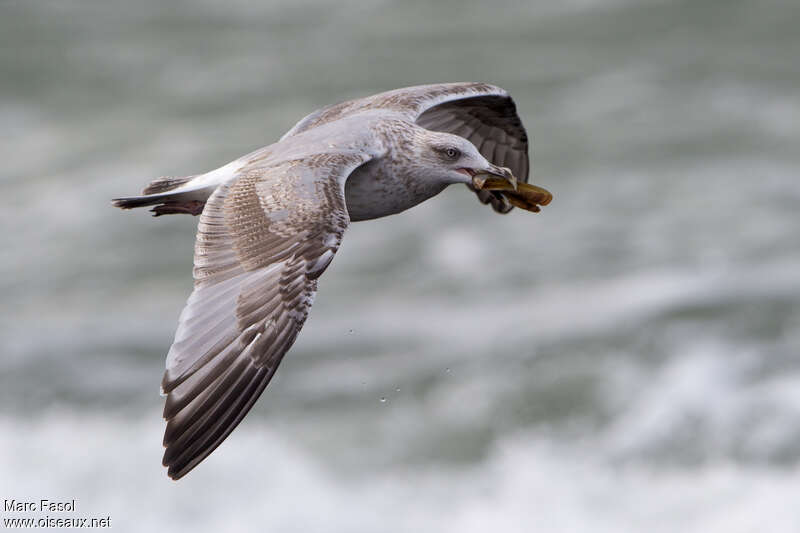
point(525, 196)
point(529, 197)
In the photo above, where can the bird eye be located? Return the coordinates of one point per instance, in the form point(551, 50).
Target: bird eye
point(452, 153)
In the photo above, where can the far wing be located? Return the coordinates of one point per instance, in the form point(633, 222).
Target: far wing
point(484, 114)
point(263, 240)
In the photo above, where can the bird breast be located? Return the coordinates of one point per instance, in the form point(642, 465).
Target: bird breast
point(377, 190)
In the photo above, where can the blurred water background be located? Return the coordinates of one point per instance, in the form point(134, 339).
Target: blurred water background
point(627, 360)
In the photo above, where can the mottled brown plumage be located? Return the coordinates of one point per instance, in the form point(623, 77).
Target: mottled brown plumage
point(272, 221)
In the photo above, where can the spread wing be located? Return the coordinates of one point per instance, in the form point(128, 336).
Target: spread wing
point(484, 114)
point(263, 240)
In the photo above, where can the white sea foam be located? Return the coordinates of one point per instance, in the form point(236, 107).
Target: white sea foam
point(262, 480)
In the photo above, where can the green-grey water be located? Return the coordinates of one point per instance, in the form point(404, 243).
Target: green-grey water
point(626, 360)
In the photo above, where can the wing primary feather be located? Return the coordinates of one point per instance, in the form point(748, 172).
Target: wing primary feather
point(177, 401)
point(188, 421)
point(226, 425)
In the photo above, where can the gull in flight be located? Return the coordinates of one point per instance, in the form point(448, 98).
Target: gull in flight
point(271, 222)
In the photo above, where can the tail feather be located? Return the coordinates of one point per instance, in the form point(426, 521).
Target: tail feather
point(183, 200)
point(130, 202)
point(170, 195)
point(166, 183)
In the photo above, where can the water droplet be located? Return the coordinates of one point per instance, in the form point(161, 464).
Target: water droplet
point(397, 389)
point(363, 383)
point(447, 369)
point(350, 332)
point(383, 399)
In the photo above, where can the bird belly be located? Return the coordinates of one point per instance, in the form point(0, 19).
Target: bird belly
point(372, 193)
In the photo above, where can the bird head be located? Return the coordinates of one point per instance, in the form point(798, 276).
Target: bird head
point(456, 160)
point(453, 159)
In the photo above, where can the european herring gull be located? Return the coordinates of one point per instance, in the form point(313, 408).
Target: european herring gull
point(271, 222)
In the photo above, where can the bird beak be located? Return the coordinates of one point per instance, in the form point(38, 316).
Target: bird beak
point(495, 178)
point(522, 195)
